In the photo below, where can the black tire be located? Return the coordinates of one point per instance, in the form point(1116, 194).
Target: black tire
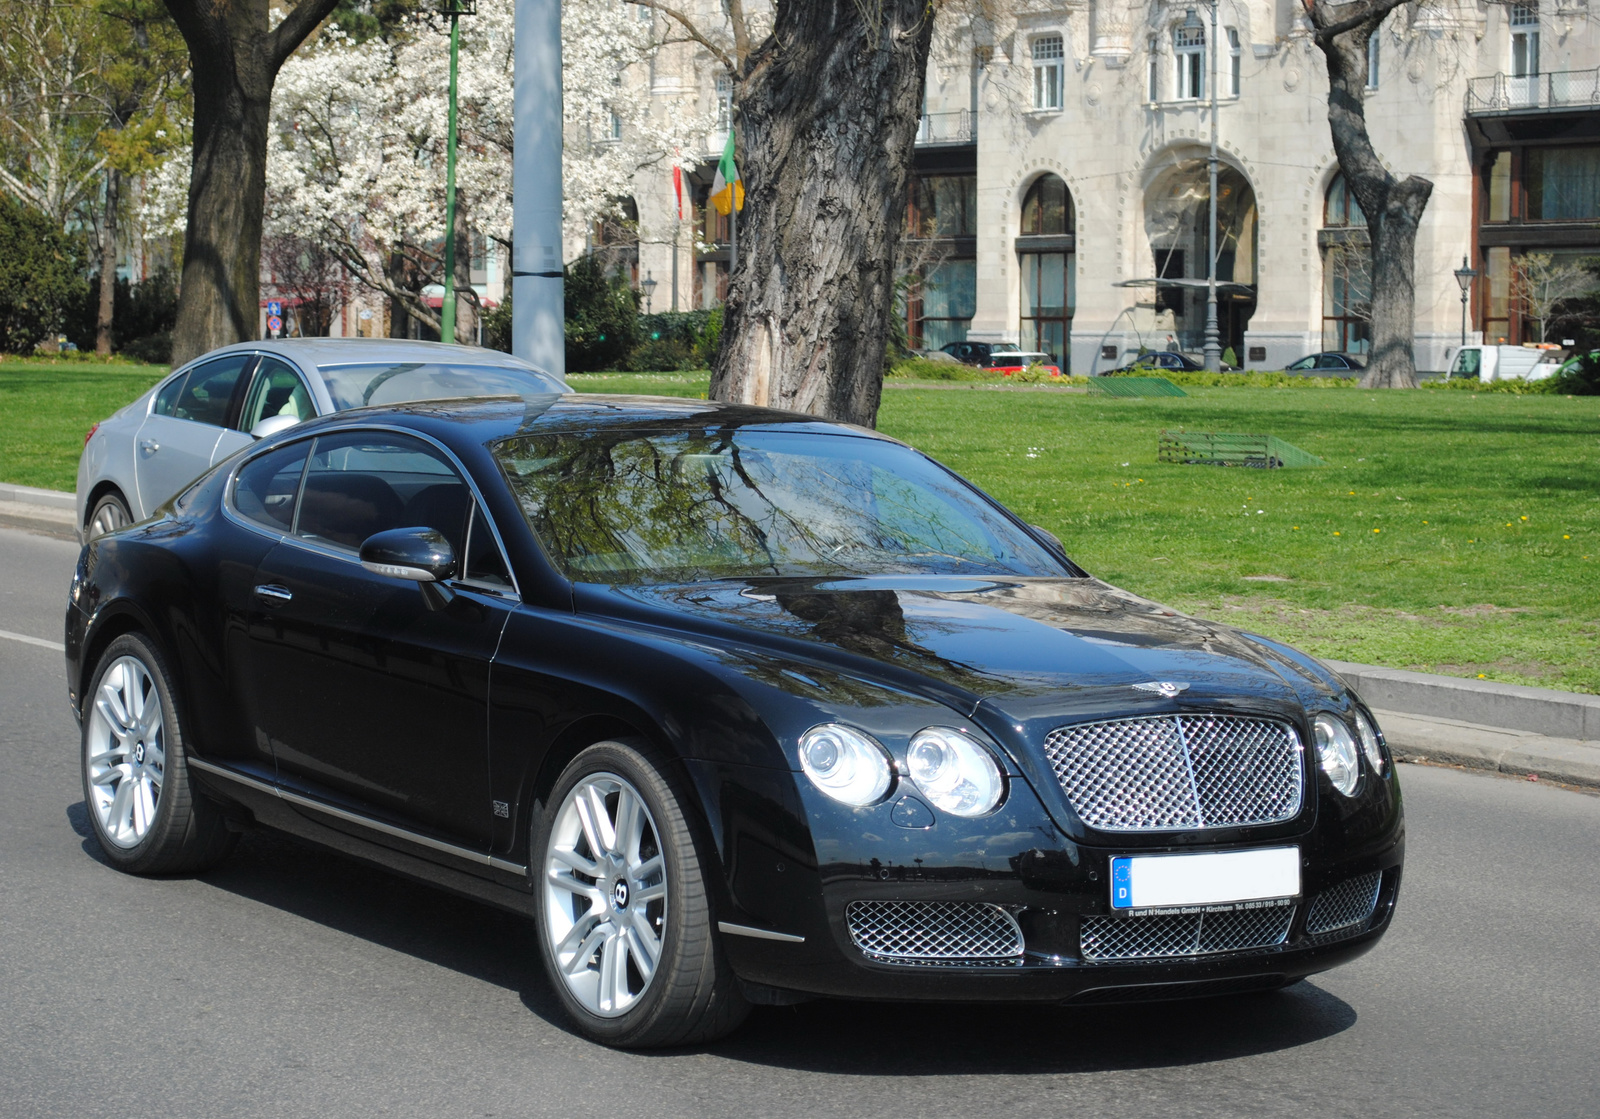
point(693, 996)
point(109, 514)
point(186, 833)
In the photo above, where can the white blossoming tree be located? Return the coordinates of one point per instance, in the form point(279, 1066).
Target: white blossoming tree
point(356, 157)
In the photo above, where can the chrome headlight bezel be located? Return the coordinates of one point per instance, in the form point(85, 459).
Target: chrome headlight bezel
point(1337, 753)
point(1371, 739)
point(846, 764)
point(956, 772)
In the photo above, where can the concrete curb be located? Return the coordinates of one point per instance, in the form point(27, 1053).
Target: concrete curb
point(1486, 703)
point(1519, 753)
point(29, 495)
point(47, 512)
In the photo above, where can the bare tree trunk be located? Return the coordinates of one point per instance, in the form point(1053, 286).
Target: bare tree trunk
point(1393, 206)
point(828, 114)
point(235, 59)
point(108, 267)
point(466, 297)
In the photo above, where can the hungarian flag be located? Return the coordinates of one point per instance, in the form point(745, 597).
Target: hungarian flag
point(727, 190)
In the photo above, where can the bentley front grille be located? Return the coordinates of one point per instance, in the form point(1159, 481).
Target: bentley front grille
point(1344, 909)
point(1174, 935)
point(1179, 772)
point(935, 932)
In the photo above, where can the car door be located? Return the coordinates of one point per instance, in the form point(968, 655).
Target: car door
point(276, 389)
point(374, 699)
point(177, 439)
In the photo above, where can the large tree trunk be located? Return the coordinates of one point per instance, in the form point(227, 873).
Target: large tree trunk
point(108, 267)
point(466, 297)
point(1393, 206)
point(828, 113)
point(234, 59)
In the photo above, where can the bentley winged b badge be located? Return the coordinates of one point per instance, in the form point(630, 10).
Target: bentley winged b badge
point(1168, 688)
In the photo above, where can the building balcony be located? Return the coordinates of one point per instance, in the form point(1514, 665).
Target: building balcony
point(1555, 92)
point(960, 127)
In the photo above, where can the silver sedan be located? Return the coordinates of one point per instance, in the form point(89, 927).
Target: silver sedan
point(226, 399)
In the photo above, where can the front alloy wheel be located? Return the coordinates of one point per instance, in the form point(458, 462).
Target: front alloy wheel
point(125, 752)
point(605, 894)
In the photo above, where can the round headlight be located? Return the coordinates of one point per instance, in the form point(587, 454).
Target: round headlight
point(1368, 733)
point(955, 771)
point(1336, 751)
point(845, 764)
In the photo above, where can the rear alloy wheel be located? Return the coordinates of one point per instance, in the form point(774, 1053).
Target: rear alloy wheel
point(110, 513)
point(143, 812)
point(624, 920)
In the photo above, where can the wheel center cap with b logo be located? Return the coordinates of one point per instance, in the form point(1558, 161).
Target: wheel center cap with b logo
point(619, 894)
point(138, 754)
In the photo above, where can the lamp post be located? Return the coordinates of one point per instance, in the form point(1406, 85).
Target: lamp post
point(455, 9)
point(1464, 277)
point(648, 286)
point(1213, 336)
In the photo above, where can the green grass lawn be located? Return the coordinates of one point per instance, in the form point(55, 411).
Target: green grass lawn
point(1453, 532)
point(47, 409)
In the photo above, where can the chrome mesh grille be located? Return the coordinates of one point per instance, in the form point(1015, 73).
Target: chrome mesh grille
point(917, 932)
point(1346, 906)
point(1179, 772)
point(1167, 935)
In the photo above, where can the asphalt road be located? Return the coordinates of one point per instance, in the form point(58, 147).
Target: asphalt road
point(292, 982)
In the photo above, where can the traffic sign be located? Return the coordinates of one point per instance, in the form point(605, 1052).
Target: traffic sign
point(274, 323)
point(275, 311)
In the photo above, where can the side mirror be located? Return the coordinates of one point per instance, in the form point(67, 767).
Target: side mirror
point(419, 554)
point(1045, 535)
point(272, 425)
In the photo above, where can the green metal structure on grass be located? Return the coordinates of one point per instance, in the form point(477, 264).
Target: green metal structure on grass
point(1134, 386)
point(1221, 448)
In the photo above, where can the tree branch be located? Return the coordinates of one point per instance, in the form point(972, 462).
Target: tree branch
point(301, 21)
point(693, 31)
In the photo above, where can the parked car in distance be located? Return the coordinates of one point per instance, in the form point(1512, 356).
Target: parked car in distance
point(997, 355)
point(223, 400)
point(735, 706)
point(1008, 362)
point(1168, 359)
point(1332, 364)
point(1505, 363)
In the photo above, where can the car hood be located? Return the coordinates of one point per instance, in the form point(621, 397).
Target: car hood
point(1021, 646)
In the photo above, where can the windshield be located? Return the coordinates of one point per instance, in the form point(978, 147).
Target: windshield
point(673, 507)
point(400, 382)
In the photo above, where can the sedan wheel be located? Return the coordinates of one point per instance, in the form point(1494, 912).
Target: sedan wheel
point(135, 781)
point(110, 513)
point(625, 922)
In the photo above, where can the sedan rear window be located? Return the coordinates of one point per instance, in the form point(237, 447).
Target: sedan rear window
point(400, 382)
point(670, 507)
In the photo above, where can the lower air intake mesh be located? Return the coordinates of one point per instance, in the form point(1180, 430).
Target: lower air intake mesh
point(1168, 935)
point(1345, 908)
point(934, 932)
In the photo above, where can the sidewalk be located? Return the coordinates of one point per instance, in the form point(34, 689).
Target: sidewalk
point(1507, 728)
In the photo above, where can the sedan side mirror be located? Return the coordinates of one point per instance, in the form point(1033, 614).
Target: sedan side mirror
point(272, 425)
point(1049, 538)
point(419, 554)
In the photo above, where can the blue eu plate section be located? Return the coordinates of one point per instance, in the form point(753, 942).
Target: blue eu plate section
point(1121, 883)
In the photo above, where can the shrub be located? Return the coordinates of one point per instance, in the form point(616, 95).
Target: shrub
point(497, 326)
point(602, 317)
point(1256, 379)
point(40, 276)
point(676, 340)
point(1511, 388)
point(1579, 377)
point(142, 317)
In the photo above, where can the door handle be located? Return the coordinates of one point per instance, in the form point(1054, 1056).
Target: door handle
point(149, 446)
point(273, 594)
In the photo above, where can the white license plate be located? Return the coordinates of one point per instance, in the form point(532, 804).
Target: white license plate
point(1212, 878)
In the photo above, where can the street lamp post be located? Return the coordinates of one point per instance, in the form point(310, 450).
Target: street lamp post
point(1464, 277)
point(1213, 337)
point(648, 286)
point(455, 9)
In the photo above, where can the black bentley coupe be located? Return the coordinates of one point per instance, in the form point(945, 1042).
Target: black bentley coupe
point(738, 706)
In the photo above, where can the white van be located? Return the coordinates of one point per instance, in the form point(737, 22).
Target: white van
point(1505, 363)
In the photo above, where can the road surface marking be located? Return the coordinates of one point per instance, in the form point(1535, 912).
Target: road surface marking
point(39, 641)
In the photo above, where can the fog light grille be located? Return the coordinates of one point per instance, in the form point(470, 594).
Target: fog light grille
point(1179, 772)
point(1345, 908)
point(1169, 935)
point(921, 932)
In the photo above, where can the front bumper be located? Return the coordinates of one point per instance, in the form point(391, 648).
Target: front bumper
point(799, 865)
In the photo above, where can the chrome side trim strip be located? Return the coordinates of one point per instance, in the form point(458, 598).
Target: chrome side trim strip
point(759, 934)
point(464, 853)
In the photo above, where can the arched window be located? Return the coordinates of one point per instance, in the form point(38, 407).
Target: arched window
point(1047, 208)
point(1045, 259)
point(1346, 272)
point(1341, 208)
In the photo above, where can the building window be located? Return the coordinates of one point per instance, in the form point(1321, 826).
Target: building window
point(1048, 57)
point(942, 303)
point(1153, 76)
point(1047, 208)
point(981, 57)
point(1346, 272)
point(614, 130)
point(1235, 62)
point(724, 102)
point(1340, 209)
point(1189, 55)
point(1047, 268)
point(1562, 184)
point(1372, 61)
point(1524, 40)
point(943, 206)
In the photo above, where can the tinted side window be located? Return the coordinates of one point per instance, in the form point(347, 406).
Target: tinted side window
point(209, 388)
point(276, 390)
point(362, 482)
point(264, 489)
point(167, 398)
